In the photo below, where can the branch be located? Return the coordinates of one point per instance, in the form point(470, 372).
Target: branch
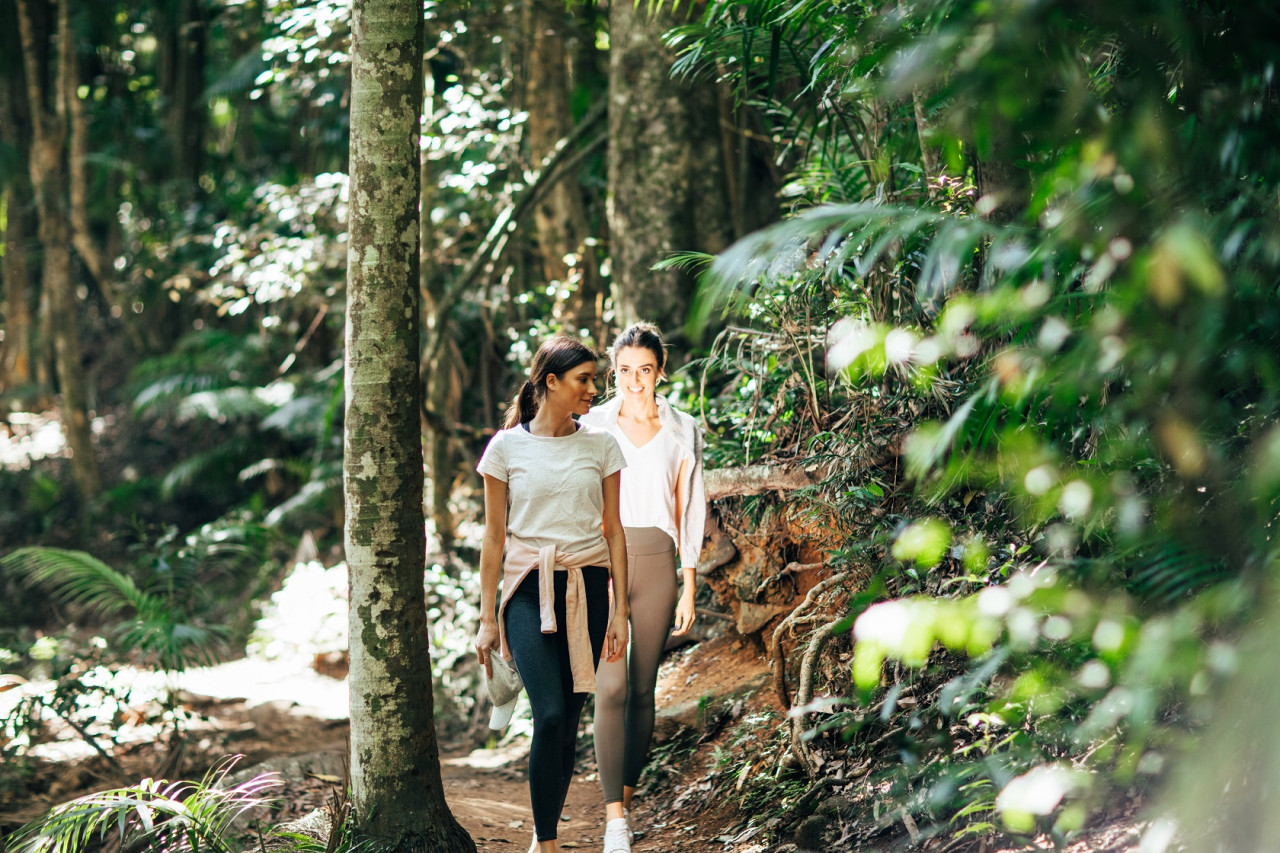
point(555, 167)
point(754, 479)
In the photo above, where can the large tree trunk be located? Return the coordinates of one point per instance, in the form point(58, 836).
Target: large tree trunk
point(49, 184)
point(395, 761)
point(568, 256)
point(666, 170)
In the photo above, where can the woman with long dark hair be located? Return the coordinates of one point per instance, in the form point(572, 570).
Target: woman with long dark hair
point(663, 508)
point(551, 503)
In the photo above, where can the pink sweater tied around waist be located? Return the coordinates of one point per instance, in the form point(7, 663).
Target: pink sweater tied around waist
point(522, 558)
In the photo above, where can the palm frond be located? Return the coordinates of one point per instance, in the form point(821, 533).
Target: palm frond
point(224, 404)
point(240, 77)
point(169, 816)
point(1170, 572)
point(74, 576)
point(216, 467)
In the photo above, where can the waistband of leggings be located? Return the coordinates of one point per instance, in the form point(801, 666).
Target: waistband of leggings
point(642, 541)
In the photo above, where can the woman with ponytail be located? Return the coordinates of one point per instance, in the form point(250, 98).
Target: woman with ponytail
point(551, 504)
point(663, 507)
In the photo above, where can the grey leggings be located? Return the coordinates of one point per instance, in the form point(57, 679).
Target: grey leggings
point(624, 688)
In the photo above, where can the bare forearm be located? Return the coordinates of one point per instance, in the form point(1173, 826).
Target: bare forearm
point(618, 570)
point(490, 573)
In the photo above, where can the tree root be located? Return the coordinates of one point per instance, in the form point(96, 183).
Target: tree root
point(788, 573)
point(804, 692)
point(775, 645)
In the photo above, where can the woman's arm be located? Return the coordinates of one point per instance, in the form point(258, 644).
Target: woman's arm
point(615, 642)
point(685, 606)
point(491, 548)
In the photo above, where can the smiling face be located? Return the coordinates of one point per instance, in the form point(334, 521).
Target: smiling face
point(574, 390)
point(638, 373)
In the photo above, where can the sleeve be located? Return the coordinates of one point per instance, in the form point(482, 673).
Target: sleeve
point(493, 461)
point(612, 459)
point(693, 525)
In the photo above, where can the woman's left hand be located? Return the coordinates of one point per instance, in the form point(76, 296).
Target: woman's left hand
point(684, 612)
point(615, 639)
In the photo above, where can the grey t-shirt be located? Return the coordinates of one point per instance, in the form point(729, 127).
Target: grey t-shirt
point(555, 488)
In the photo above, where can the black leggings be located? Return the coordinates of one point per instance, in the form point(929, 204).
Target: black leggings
point(543, 663)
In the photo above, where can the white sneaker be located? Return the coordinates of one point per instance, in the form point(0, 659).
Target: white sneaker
point(616, 836)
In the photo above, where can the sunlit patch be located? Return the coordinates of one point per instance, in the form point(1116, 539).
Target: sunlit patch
point(27, 437)
point(1037, 793)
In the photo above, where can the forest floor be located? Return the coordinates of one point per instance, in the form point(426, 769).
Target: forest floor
point(291, 721)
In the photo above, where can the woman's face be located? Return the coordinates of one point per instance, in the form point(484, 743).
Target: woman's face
point(574, 390)
point(637, 371)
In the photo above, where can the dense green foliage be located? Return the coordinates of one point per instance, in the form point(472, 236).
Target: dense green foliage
point(1073, 322)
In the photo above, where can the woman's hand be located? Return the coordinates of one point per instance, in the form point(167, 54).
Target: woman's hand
point(615, 639)
point(684, 611)
point(486, 643)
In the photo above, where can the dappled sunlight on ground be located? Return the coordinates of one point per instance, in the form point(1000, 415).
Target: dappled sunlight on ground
point(259, 680)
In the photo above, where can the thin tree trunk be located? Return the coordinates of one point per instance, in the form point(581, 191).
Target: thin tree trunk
point(561, 217)
point(437, 376)
point(185, 67)
point(15, 340)
point(667, 177)
point(49, 185)
point(928, 151)
point(79, 186)
point(15, 348)
point(395, 762)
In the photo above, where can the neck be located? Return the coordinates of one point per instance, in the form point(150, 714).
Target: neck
point(550, 423)
point(639, 409)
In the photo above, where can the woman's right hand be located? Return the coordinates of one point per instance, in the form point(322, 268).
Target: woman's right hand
point(487, 642)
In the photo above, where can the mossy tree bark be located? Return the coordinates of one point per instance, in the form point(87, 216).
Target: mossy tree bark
point(49, 185)
point(667, 178)
point(395, 762)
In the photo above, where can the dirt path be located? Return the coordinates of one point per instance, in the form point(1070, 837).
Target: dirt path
point(288, 719)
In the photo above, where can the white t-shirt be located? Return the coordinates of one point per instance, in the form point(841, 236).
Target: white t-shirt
point(649, 483)
point(555, 488)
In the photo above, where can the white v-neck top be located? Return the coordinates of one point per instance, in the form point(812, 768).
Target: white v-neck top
point(648, 488)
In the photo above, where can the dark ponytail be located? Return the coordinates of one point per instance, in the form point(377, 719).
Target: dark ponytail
point(556, 356)
point(523, 407)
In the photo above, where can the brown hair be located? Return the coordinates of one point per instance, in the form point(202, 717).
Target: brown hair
point(557, 356)
point(645, 336)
